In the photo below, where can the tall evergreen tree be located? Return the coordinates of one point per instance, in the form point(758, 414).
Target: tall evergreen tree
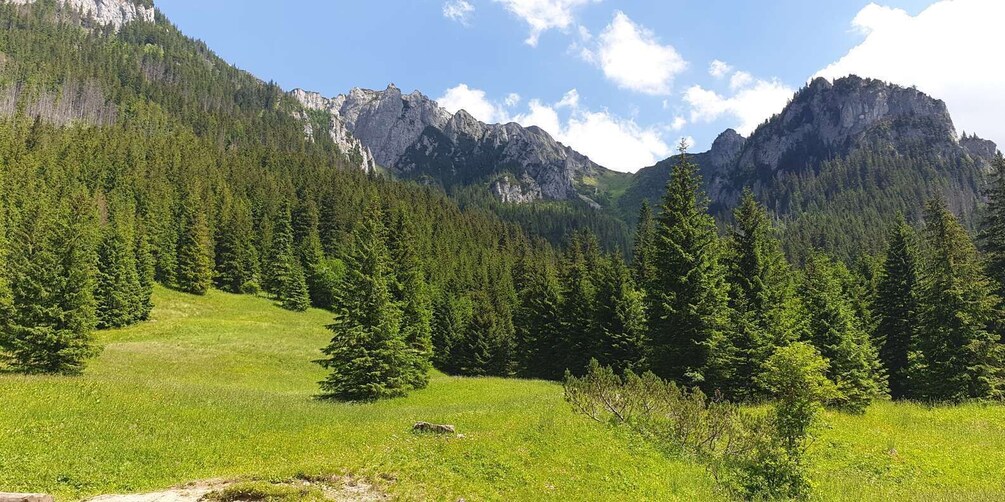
point(896, 308)
point(307, 242)
point(195, 270)
point(839, 336)
point(962, 357)
point(286, 275)
point(761, 294)
point(146, 272)
point(644, 254)
point(620, 317)
point(236, 256)
point(580, 336)
point(366, 357)
point(687, 300)
point(52, 265)
point(118, 282)
point(411, 293)
point(992, 233)
point(539, 323)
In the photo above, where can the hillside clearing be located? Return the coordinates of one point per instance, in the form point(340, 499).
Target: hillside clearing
point(221, 388)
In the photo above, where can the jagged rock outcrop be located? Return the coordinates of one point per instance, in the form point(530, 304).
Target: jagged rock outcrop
point(824, 121)
point(523, 191)
point(415, 138)
point(106, 12)
point(354, 150)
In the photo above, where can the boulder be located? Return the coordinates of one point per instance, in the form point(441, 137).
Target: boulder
point(433, 428)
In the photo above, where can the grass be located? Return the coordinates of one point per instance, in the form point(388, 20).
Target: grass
point(222, 386)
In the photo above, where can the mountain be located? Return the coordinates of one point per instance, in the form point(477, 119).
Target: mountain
point(114, 13)
point(842, 156)
point(415, 138)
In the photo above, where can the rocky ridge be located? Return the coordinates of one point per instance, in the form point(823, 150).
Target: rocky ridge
point(105, 12)
point(415, 138)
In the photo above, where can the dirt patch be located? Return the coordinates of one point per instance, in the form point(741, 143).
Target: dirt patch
point(336, 488)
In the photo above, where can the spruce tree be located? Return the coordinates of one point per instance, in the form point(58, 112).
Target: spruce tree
point(837, 333)
point(236, 256)
point(620, 317)
point(52, 264)
point(286, 275)
point(896, 308)
point(118, 282)
point(195, 271)
point(644, 254)
point(992, 232)
point(472, 353)
point(961, 357)
point(761, 295)
point(580, 336)
point(539, 323)
point(146, 272)
point(307, 242)
point(411, 293)
point(367, 356)
point(687, 301)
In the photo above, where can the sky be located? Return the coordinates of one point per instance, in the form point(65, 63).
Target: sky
point(622, 81)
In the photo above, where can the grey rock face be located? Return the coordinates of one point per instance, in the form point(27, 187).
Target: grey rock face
point(516, 192)
point(352, 148)
point(105, 12)
point(980, 148)
point(416, 138)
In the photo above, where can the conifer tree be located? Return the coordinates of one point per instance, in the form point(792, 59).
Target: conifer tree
point(236, 256)
point(644, 254)
point(539, 323)
point(118, 283)
point(761, 296)
point(195, 271)
point(687, 301)
point(896, 308)
point(580, 337)
point(286, 275)
point(472, 353)
point(146, 272)
point(307, 242)
point(992, 233)
point(52, 265)
point(411, 293)
point(621, 317)
point(451, 316)
point(961, 357)
point(835, 331)
point(367, 356)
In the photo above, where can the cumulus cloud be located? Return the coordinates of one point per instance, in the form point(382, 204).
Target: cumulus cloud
point(634, 58)
point(614, 142)
point(678, 123)
point(458, 10)
point(544, 15)
point(952, 50)
point(719, 69)
point(475, 102)
point(752, 102)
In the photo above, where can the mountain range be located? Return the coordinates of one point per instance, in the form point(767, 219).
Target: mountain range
point(846, 153)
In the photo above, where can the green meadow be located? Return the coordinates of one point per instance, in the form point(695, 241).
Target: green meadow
point(221, 387)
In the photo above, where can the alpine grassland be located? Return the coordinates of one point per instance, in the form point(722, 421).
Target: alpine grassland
point(223, 387)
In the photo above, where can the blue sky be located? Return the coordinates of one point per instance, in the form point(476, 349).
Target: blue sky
point(620, 80)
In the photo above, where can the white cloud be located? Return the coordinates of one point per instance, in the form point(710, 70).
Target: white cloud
point(739, 80)
point(719, 69)
point(678, 123)
point(613, 142)
point(749, 106)
point(544, 15)
point(633, 57)
point(952, 50)
point(474, 102)
point(458, 10)
point(512, 99)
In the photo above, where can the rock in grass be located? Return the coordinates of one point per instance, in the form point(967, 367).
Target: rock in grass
point(434, 428)
point(25, 497)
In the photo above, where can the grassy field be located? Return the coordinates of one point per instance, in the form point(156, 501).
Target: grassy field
point(221, 387)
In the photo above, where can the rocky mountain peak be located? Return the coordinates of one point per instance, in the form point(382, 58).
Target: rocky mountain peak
point(105, 12)
point(726, 147)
